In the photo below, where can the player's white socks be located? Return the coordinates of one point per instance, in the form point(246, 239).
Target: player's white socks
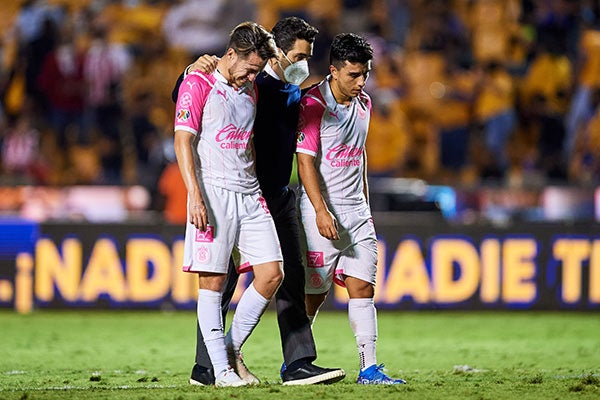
point(363, 321)
point(250, 308)
point(210, 321)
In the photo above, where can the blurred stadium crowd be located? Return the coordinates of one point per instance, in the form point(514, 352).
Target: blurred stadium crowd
point(466, 92)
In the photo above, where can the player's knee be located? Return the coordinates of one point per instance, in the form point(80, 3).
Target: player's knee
point(278, 274)
point(271, 275)
point(358, 288)
point(209, 281)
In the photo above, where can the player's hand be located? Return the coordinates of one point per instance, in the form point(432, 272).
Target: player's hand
point(205, 63)
point(198, 215)
point(327, 224)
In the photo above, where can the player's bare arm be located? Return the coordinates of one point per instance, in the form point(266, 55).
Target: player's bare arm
point(326, 222)
point(183, 151)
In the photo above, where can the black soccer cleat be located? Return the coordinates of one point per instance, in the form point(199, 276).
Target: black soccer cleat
point(202, 376)
point(310, 374)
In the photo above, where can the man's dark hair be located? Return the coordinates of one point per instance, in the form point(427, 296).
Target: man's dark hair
point(287, 30)
point(349, 47)
point(249, 37)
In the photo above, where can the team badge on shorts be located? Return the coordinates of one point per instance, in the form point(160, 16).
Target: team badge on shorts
point(202, 255)
point(315, 259)
point(315, 280)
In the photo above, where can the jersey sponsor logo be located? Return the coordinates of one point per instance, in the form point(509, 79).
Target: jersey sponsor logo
point(183, 115)
point(343, 155)
point(202, 255)
point(185, 100)
point(334, 114)
point(222, 94)
point(315, 259)
point(190, 84)
point(232, 137)
point(206, 236)
point(232, 132)
point(300, 137)
point(344, 151)
point(346, 163)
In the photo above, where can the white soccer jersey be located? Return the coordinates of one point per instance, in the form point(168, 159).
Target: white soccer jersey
point(223, 118)
point(335, 134)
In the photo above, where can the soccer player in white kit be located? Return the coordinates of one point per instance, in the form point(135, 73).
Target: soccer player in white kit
point(333, 204)
point(213, 130)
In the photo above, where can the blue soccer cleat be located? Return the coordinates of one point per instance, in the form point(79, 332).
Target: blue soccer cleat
point(282, 370)
point(374, 376)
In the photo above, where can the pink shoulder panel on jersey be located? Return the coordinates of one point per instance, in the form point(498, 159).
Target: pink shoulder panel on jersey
point(312, 108)
point(191, 100)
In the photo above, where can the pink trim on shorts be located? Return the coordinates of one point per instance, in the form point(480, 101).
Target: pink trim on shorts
point(245, 267)
point(337, 278)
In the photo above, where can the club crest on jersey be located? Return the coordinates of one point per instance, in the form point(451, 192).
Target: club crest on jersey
point(315, 259)
point(183, 115)
point(300, 137)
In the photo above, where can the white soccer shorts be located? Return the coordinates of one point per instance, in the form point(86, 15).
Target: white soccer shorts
point(237, 221)
point(354, 254)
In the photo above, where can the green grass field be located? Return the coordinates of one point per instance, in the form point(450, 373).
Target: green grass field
point(443, 355)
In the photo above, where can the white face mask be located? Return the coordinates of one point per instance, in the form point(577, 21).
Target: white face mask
point(297, 72)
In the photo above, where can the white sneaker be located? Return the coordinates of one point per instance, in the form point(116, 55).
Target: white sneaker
point(237, 362)
point(228, 378)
